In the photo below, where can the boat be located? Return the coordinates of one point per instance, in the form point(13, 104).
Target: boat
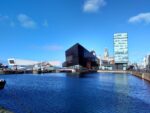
point(2, 84)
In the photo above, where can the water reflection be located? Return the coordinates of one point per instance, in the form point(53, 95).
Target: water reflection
point(71, 93)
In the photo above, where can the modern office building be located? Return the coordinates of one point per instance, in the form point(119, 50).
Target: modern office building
point(77, 57)
point(121, 50)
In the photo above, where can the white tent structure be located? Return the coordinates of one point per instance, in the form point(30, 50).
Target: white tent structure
point(21, 62)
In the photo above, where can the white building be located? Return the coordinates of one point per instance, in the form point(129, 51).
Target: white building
point(29, 64)
point(21, 62)
point(146, 62)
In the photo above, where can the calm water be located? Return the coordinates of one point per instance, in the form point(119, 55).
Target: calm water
point(61, 93)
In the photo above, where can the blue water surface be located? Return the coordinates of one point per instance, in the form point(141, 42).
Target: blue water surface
point(71, 93)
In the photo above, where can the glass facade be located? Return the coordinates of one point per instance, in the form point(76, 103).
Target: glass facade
point(79, 57)
point(121, 47)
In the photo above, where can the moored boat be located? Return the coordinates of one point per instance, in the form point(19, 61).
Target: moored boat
point(2, 84)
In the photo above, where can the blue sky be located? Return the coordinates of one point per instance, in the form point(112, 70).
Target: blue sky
point(44, 29)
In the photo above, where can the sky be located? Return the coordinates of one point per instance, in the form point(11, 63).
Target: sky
point(42, 30)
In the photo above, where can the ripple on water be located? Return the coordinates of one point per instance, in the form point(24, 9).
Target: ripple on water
point(91, 93)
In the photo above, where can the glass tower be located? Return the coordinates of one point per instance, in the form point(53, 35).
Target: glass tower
point(121, 49)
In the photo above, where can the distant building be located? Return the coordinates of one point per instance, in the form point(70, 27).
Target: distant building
point(106, 53)
point(148, 66)
point(147, 62)
point(106, 62)
point(21, 62)
point(77, 57)
point(121, 50)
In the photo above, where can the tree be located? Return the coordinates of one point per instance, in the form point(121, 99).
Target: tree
point(1, 65)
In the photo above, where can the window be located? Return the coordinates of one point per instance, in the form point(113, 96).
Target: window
point(11, 61)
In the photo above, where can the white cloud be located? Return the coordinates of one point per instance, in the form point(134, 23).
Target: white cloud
point(142, 17)
point(53, 47)
point(23, 19)
point(93, 5)
point(26, 21)
point(3, 18)
point(7, 20)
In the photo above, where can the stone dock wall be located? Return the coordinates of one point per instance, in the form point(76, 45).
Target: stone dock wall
point(113, 71)
point(142, 75)
point(145, 76)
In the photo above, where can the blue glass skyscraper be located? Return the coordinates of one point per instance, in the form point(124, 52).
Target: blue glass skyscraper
point(121, 50)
